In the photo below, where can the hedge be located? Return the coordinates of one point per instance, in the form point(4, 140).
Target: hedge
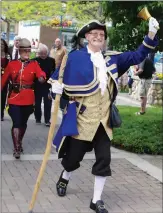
point(140, 133)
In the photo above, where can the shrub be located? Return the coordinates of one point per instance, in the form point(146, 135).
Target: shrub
point(140, 133)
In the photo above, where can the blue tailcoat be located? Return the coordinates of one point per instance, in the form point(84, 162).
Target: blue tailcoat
point(80, 79)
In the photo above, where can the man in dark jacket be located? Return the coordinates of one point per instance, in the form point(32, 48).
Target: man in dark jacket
point(145, 72)
point(47, 64)
point(13, 50)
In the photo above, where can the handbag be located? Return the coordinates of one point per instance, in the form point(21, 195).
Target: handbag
point(114, 120)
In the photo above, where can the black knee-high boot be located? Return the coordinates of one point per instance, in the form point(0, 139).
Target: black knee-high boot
point(16, 137)
point(22, 132)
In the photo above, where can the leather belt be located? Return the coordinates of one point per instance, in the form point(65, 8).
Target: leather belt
point(23, 86)
point(26, 86)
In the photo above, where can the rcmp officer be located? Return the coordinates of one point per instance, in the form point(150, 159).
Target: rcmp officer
point(90, 80)
point(21, 73)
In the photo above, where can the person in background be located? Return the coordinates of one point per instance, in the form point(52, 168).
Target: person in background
point(36, 44)
point(130, 79)
point(33, 43)
point(58, 52)
point(21, 73)
point(5, 58)
point(47, 64)
point(14, 50)
point(90, 81)
point(145, 71)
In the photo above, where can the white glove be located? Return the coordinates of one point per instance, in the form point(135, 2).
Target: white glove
point(57, 88)
point(153, 25)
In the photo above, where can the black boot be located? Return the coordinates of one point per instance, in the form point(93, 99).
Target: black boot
point(23, 130)
point(61, 186)
point(16, 135)
point(98, 207)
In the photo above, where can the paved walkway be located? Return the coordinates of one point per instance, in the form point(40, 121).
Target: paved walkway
point(135, 185)
point(125, 100)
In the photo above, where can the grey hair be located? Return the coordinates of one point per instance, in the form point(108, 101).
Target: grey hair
point(17, 38)
point(42, 47)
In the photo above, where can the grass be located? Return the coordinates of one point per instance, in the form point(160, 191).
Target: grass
point(140, 133)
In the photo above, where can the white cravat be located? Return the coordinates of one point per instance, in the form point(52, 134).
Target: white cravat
point(99, 62)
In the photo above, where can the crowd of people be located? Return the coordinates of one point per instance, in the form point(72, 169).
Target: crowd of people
point(90, 85)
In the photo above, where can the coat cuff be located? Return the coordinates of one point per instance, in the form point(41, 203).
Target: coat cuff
point(149, 43)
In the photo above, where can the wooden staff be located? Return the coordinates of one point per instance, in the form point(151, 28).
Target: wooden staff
point(49, 140)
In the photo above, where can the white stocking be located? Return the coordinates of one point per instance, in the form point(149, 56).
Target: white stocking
point(66, 175)
point(98, 188)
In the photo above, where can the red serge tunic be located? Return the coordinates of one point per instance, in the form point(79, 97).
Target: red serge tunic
point(31, 71)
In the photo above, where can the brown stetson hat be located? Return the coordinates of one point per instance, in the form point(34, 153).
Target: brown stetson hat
point(92, 25)
point(24, 44)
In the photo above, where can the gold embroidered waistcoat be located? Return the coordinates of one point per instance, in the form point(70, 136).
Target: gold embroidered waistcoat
point(97, 111)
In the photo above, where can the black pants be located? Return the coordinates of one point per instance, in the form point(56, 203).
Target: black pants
point(39, 95)
point(76, 149)
point(130, 82)
point(63, 103)
point(3, 99)
point(20, 115)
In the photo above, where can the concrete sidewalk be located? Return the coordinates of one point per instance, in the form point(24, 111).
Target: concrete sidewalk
point(125, 99)
point(128, 190)
point(135, 185)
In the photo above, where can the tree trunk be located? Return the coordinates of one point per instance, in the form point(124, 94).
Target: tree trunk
point(8, 31)
point(100, 11)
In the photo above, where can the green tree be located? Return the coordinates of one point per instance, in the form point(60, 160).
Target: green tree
point(45, 11)
point(42, 11)
point(128, 31)
point(84, 11)
point(15, 11)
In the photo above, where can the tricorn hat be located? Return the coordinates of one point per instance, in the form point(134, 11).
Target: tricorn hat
point(24, 44)
point(91, 25)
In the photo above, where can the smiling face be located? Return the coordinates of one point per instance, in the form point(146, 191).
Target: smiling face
point(43, 54)
point(96, 39)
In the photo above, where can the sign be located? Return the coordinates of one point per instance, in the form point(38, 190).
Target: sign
point(30, 23)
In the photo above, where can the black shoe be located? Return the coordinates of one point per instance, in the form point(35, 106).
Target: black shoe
point(2, 119)
point(61, 186)
point(99, 207)
point(38, 122)
point(21, 150)
point(16, 154)
point(47, 123)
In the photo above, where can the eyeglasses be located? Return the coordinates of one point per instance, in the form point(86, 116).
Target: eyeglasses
point(98, 34)
point(26, 51)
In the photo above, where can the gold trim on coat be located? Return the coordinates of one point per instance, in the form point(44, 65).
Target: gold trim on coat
point(113, 66)
point(81, 95)
point(149, 46)
point(88, 86)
